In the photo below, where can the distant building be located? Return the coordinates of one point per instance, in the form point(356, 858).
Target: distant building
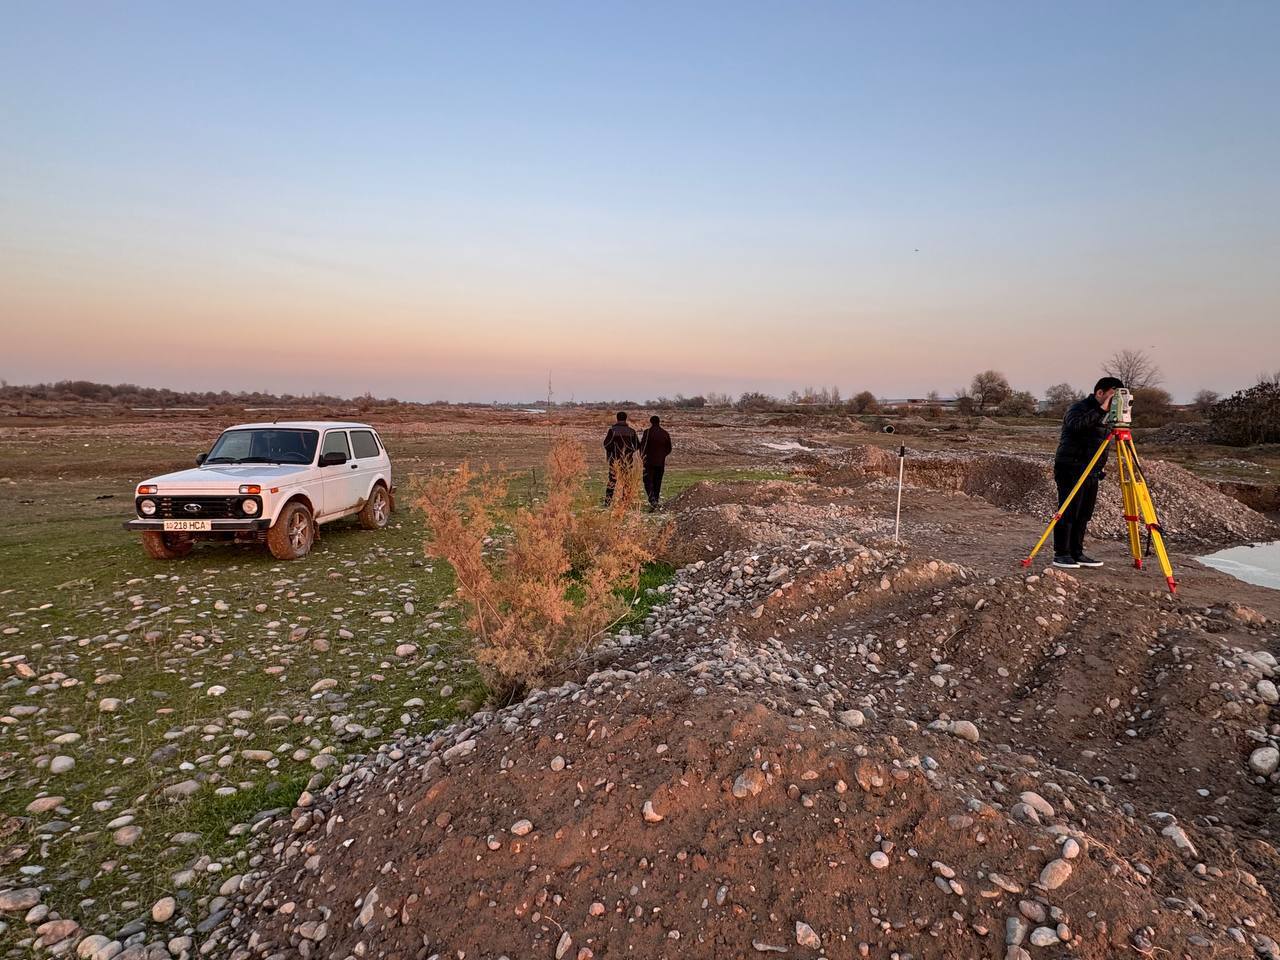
point(907, 404)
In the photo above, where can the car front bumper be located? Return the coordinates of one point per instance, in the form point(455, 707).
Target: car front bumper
point(217, 526)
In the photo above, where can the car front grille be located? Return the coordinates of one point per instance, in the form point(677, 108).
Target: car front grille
point(197, 508)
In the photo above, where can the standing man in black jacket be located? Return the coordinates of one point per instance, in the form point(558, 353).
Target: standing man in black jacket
point(620, 444)
point(1083, 430)
point(655, 447)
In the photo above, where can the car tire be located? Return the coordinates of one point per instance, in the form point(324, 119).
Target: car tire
point(165, 546)
point(293, 533)
point(376, 512)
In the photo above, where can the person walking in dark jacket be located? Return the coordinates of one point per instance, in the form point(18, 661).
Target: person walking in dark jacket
point(655, 447)
point(1083, 429)
point(620, 445)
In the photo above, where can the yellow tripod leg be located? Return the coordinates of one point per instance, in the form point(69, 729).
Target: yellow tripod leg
point(1148, 510)
point(1063, 506)
point(1128, 489)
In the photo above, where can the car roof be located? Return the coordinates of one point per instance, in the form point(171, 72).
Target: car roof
point(305, 425)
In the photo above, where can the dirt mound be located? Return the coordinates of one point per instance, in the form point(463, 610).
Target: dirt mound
point(706, 493)
point(609, 831)
point(817, 747)
point(713, 518)
point(811, 421)
point(592, 822)
point(1190, 510)
point(857, 464)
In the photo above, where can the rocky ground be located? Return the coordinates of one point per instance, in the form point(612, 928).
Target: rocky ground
point(146, 728)
point(820, 747)
point(154, 716)
point(819, 743)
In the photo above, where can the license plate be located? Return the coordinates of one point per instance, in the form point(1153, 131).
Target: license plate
point(188, 525)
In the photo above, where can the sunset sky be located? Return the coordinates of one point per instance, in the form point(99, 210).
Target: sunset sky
point(449, 201)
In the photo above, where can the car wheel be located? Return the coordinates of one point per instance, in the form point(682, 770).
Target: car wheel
point(377, 509)
point(291, 536)
point(165, 546)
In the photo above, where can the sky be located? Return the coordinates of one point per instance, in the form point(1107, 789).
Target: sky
point(460, 201)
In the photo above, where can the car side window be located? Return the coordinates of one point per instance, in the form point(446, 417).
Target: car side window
point(335, 441)
point(365, 445)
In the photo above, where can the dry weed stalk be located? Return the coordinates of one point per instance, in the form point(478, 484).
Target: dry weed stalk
point(555, 590)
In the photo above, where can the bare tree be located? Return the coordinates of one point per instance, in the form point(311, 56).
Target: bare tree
point(1135, 368)
point(989, 389)
point(1204, 400)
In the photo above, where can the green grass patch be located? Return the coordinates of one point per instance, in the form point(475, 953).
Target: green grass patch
point(646, 595)
point(70, 579)
point(212, 816)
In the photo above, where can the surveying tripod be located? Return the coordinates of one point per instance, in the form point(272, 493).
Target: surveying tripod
point(1138, 505)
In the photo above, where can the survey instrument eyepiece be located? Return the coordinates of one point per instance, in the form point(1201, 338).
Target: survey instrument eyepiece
point(1121, 412)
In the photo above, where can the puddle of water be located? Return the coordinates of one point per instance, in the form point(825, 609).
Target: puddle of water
point(1257, 563)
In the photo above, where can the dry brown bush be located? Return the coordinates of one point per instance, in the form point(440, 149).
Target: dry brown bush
point(562, 581)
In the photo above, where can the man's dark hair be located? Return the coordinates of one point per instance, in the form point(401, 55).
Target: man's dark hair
point(622, 416)
point(1108, 383)
point(654, 420)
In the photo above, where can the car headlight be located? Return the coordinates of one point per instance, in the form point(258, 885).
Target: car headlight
point(147, 508)
point(147, 488)
point(249, 507)
point(249, 488)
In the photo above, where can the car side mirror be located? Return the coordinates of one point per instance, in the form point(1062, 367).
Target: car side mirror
point(333, 458)
point(201, 458)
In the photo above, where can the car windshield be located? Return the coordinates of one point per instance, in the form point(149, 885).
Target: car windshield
point(265, 445)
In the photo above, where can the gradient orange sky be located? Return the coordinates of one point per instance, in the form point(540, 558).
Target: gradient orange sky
point(450, 205)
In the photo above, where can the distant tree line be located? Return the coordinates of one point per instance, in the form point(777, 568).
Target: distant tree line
point(130, 394)
point(1247, 417)
point(989, 394)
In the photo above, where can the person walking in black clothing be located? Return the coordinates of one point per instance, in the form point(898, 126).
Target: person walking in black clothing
point(655, 447)
point(1083, 429)
point(620, 444)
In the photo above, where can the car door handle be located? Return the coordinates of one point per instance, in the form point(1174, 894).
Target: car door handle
point(355, 466)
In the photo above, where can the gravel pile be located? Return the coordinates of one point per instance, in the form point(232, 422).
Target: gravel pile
point(810, 749)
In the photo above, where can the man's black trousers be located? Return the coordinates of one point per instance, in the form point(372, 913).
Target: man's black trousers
point(653, 481)
point(1068, 533)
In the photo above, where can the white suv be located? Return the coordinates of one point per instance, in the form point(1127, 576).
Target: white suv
point(268, 481)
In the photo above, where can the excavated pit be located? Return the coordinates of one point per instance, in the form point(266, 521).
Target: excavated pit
point(1190, 510)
